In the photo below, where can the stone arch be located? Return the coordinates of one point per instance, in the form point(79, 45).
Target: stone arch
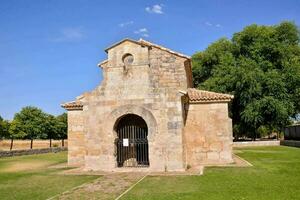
point(131, 144)
point(117, 113)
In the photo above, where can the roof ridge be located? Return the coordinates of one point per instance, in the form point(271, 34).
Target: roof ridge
point(196, 89)
point(119, 42)
point(147, 43)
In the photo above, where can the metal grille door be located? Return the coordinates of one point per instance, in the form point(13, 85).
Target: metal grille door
point(132, 142)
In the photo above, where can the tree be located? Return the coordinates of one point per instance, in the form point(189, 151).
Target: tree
point(260, 66)
point(15, 132)
point(1, 128)
point(4, 128)
point(62, 127)
point(29, 124)
point(51, 127)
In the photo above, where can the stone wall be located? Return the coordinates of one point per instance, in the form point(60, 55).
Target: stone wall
point(31, 151)
point(208, 134)
point(169, 76)
point(76, 138)
point(291, 143)
point(150, 85)
point(256, 143)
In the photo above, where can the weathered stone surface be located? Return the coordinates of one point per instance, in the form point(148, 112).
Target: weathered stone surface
point(151, 88)
point(208, 132)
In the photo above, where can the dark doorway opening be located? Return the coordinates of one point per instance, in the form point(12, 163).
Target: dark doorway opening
point(132, 143)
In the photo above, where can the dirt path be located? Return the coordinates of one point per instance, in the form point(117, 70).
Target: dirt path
point(109, 186)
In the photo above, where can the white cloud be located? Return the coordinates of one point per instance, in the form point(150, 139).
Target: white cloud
point(157, 9)
point(213, 25)
point(143, 32)
point(70, 34)
point(125, 24)
point(208, 24)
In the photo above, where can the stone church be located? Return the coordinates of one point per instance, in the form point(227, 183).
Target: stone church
point(146, 115)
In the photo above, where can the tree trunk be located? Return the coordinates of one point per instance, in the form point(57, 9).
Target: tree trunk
point(50, 142)
point(254, 137)
point(63, 142)
point(31, 143)
point(11, 143)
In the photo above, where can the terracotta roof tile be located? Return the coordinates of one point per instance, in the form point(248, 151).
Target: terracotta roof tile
point(196, 95)
point(72, 105)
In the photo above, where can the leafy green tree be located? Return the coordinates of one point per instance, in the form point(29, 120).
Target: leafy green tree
point(260, 66)
point(4, 128)
point(1, 128)
point(51, 127)
point(62, 127)
point(29, 124)
point(15, 132)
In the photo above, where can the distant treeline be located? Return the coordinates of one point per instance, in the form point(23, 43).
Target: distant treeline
point(32, 123)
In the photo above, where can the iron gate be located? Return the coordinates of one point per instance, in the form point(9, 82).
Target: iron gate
point(132, 142)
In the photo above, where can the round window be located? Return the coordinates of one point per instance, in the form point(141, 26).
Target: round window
point(128, 59)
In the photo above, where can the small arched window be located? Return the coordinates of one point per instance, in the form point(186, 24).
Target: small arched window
point(127, 59)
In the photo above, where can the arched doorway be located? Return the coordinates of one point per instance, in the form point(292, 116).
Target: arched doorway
point(132, 143)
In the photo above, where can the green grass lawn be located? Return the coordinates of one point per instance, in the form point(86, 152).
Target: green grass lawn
point(275, 175)
point(29, 177)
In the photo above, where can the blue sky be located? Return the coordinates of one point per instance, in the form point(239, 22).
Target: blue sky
point(49, 50)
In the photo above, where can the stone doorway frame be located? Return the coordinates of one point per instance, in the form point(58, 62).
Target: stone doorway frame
point(136, 110)
point(132, 149)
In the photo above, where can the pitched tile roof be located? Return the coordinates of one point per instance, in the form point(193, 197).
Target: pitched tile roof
point(198, 96)
point(72, 105)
